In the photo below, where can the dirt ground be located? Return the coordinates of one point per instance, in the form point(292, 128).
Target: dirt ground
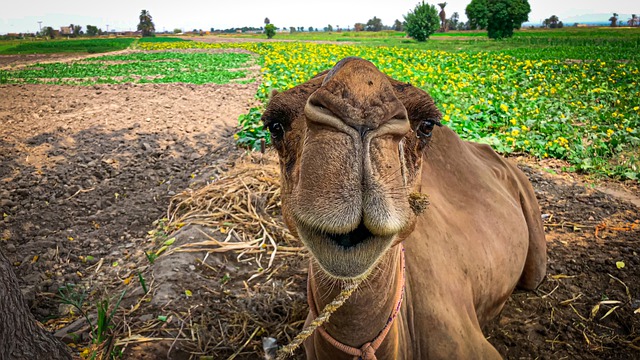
point(85, 172)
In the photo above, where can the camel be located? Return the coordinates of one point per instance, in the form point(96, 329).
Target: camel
point(355, 146)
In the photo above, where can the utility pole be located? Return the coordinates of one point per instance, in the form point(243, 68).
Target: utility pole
point(40, 26)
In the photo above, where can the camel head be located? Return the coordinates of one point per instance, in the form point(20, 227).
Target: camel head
point(350, 143)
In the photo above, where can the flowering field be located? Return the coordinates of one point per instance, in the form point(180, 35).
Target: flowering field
point(584, 111)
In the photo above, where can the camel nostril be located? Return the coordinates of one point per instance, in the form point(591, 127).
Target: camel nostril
point(353, 238)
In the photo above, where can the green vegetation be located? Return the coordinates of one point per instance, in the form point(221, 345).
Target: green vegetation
point(422, 21)
point(576, 101)
point(499, 17)
point(167, 67)
point(64, 46)
point(270, 30)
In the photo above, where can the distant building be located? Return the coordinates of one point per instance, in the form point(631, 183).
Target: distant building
point(66, 30)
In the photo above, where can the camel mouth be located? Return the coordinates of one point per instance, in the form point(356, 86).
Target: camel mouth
point(352, 238)
point(345, 256)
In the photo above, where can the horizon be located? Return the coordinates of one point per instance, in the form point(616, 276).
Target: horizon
point(121, 15)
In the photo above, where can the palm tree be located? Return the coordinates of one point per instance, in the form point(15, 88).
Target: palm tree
point(146, 24)
point(633, 21)
point(614, 19)
point(443, 17)
point(267, 21)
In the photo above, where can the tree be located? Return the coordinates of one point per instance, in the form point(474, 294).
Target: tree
point(633, 21)
point(443, 17)
point(422, 21)
point(478, 13)
point(397, 25)
point(453, 22)
point(48, 32)
point(77, 30)
point(500, 17)
point(614, 20)
point(551, 22)
point(267, 21)
point(328, 28)
point(374, 24)
point(310, 28)
point(270, 30)
point(146, 24)
point(358, 27)
point(20, 335)
point(92, 30)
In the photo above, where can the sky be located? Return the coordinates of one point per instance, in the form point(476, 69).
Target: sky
point(122, 15)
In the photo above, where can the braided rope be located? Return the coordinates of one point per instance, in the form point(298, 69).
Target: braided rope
point(329, 309)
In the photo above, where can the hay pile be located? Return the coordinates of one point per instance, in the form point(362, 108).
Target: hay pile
point(250, 275)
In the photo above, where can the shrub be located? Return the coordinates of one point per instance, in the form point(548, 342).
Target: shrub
point(422, 21)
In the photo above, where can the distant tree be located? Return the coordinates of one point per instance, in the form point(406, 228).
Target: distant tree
point(633, 21)
point(270, 30)
point(560, 25)
point(478, 14)
point(77, 30)
point(551, 22)
point(92, 30)
point(500, 17)
point(443, 17)
point(397, 25)
point(292, 29)
point(422, 21)
point(49, 32)
point(374, 24)
point(453, 21)
point(146, 24)
point(267, 21)
point(177, 31)
point(614, 20)
point(358, 27)
point(310, 28)
point(328, 28)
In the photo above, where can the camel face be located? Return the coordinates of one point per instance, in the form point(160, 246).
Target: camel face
point(349, 156)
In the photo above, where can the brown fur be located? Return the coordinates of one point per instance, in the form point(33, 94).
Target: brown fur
point(350, 155)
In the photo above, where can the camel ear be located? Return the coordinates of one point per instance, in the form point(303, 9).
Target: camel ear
point(419, 104)
point(274, 92)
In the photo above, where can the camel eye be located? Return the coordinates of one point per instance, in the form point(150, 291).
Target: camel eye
point(425, 128)
point(277, 130)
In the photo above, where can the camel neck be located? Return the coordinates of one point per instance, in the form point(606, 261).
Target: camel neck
point(369, 310)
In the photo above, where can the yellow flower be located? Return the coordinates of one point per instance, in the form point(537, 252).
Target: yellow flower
point(515, 133)
point(513, 121)
point(504, 107)
point(524, 128)
point(629, 129)
point(446, 118)
point(610, 132)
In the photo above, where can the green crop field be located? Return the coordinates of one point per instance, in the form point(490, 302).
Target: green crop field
point(90, 46)
point(571, 94)
point(164, 67)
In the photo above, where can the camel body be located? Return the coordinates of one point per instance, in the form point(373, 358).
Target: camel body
point(480, 237)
